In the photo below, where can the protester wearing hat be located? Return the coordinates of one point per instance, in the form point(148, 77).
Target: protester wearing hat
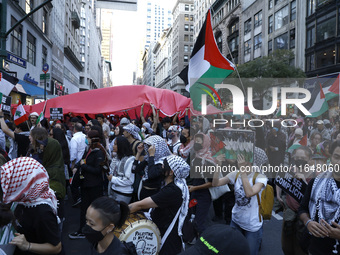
point(131, 133)
point(320, 127)
point(124, 121)
point(219, 239)
point(33, 117)
point(89, 174)
point(174, 141)
point(147, 130)
point(25, 182)
point(171, 200)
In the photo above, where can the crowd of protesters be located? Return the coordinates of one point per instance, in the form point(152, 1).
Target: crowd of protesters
point(110, 167)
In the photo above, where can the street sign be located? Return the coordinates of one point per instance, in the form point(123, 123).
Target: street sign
point(45, 68)
point(42, 76)
point(56, 113)
point(16, 60)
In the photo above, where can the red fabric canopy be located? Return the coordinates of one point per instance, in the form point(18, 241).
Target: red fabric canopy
point(119, 100)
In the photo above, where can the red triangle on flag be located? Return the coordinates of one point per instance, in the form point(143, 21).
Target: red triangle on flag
point(303, 141)
point(335, 87)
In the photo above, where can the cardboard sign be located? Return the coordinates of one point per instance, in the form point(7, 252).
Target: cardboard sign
point(292, 186)
point(6, 104)
point(56, 113)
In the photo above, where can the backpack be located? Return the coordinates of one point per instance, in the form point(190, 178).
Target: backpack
point(267, 199)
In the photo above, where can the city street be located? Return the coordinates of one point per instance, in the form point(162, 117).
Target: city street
point(271, 242)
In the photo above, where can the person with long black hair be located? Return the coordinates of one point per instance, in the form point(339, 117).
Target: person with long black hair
point(102, 217)
point(90, 174)
point(121, 179)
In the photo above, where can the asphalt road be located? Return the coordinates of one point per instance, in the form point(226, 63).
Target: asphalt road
point(271, 241)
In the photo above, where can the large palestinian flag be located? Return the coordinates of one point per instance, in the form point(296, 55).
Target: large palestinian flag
point(207, 66)
point(322, 93)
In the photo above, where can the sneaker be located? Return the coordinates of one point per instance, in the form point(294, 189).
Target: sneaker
point(77, 202)
point(76, 235)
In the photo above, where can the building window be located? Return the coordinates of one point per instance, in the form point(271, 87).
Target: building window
point(191, 38)
point(186, 58)
point(191, 28)
point(310, 37)
point(281, 17)
point(44, 21)
point(29, 5)
point(186, 38)
point(186, 7)
point(247, 47)
point(310, 7)
point(247, 26)
point(191, 48)
point(270, 4)
point(44, 55)
point(258, 19)
point(281, 42)
point(325, 29)
point(186, 27)
point(270, 24)
point(293, 10)
point(186, 48)
point(310, 63)
point(270, 46)
point(191, 17)
point(258, 41)
point(31, 48)
point(234, 27)
point(219, 40)
point(325, 57)
point(278, 1)
point(186, 17)
point(292, 39)
point(233, 44)
point(16, 38)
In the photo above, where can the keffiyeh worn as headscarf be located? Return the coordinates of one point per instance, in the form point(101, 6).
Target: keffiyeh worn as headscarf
point(161, 151)
point(25, 180)
point(181, 171)
point(205, 153)
point(133, 130)
point(324, 201)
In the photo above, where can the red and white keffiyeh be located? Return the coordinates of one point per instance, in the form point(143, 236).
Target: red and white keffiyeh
point(25, 181)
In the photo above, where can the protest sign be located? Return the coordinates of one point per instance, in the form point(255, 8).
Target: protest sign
point(294, 187)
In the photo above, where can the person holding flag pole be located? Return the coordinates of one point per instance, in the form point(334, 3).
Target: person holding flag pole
point(20, 135)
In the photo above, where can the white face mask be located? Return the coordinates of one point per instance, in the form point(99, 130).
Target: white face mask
point(143, 130)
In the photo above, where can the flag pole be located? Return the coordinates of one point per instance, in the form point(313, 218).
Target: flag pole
point(238, 74)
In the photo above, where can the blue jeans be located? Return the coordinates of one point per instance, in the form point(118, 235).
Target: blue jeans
point(254, 238)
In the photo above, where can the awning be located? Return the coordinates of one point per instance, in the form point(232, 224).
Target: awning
point(31, 89)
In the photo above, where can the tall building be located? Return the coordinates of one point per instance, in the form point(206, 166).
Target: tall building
point(158, 18)
point(91, 76)
point(182, 41)
point(200, 9)
point(149, 66)
point(29, 47)
point(163, 60)
point(322, 37)
point(105, 21)
point(72, 64)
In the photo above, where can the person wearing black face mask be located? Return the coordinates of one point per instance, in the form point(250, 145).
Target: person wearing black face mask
point(102, 217)
point(292, 226)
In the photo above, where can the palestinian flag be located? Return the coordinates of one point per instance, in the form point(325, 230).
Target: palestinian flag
point(302, 142)
point(7, 83)
point(322, 93)
point(207, 66)
point(20, 114)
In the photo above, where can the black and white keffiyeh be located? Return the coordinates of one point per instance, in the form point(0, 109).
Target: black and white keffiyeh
point(161, 151)
point(181, 171)
point(133, 130)
point(324, 201)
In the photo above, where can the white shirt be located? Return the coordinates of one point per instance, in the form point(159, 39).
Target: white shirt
point(245, 212)
point(77, 146)
point(124, 183)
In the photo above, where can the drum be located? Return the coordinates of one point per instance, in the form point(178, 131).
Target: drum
point(142, 232)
